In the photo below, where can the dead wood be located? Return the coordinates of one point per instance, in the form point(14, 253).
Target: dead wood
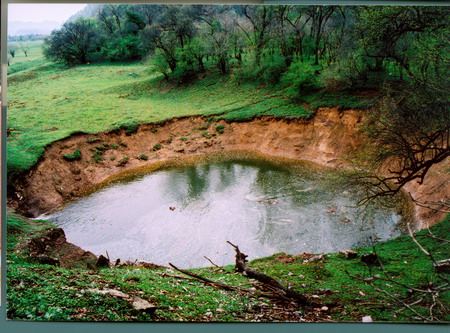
point(201, 278)
point(241, 259)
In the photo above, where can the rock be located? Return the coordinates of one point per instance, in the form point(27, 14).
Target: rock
point(324, 308)
point(315, 258)
point(179, 149)
point(51, 247)
point(142, 305)
point(349, 254)
point(367, 319)
point(102, 261)
point(111, 292)
point(172, 208)
point(369, 259)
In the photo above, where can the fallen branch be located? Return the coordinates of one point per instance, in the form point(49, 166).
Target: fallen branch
point(219, 267)
point(241, 259)
point(201, 278)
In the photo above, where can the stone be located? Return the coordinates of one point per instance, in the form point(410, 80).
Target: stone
point(349, 254)
point(102, 261)
point(369, 259)
point(142, 305)
point(367, 319)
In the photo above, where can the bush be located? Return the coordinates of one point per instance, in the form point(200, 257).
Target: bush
point(73, 157)
point(143, 157)
point(220, 129)
point(300, 80)
point(98, 156)
point(156, 147)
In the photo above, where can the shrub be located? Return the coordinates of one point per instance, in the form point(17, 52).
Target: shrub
point(73, 157)
point(93, 140)
point(183, 138)
point(143, 157)
point(156, 147)
point(206, 135)
point(220, 129)
point(300, 80)
point(123, 161)
point(98, 156)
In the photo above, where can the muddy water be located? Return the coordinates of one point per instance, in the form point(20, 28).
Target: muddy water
point(181, 214)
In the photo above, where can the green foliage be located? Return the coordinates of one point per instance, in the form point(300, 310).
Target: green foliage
point(206, 135)
point(94, 140)
point(143, 157)
point(220, 129)
point(73, 43)
point(183, 138)
point(98, 156)
point(300, 80)
point(156, 147)
point(73, 157)
point(122, 48)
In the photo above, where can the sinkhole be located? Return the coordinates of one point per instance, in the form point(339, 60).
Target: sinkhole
point(182, 213)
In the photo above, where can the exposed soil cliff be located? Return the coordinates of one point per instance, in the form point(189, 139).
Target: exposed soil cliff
point(331, 138)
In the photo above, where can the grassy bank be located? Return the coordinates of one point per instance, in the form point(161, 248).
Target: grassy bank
point(47, 102)
point(43, 292)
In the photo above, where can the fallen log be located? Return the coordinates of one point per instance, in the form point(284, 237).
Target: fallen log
point(241, 267)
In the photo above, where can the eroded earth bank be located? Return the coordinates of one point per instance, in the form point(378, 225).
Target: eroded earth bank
point(331, 138)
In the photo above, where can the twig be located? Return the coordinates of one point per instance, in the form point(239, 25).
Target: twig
point(219, 267)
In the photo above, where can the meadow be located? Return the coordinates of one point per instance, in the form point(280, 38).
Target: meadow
point(47, 101)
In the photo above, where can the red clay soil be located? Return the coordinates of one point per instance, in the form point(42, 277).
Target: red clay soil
point(331, 138)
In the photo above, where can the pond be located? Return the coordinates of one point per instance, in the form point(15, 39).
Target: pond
point(181, 214)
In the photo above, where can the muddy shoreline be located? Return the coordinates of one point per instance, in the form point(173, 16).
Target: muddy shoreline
point(331, 138)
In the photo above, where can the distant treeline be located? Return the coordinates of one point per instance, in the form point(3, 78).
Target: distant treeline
point(25, 38)
point(311, 45)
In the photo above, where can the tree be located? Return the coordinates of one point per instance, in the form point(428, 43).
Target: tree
point(73, 43)
point(410, 129)
point(260, 18)
point(24, 49)
point(319, 16)
point(414, 38)
point(12, 51)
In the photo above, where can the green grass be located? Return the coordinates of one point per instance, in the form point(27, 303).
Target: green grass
point(20, 62)
point(42, 292)
point(47, 102)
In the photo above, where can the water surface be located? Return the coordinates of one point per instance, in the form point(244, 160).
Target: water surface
point(181, 214)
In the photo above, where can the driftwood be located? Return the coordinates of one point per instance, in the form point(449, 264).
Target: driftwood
point(241, 259)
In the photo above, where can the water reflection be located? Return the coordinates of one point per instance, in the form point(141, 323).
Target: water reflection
point(181, 214)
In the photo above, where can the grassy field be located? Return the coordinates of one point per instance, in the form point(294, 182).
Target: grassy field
point(43, 292)
point(47, 102)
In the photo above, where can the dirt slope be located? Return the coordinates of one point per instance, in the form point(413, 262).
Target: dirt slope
point(330, 138)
